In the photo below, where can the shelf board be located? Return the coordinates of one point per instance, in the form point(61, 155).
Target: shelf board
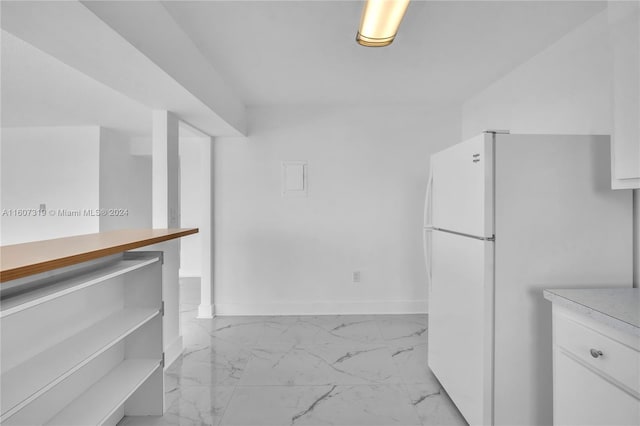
point(103, 398)
point(62, 286)
point(35, 376)
point(23, 260)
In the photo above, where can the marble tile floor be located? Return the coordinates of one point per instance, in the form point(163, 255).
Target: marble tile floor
point(303, 370)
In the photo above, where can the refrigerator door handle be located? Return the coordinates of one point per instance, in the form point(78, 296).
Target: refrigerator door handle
point(428, 227)
point(427, 255)
point(427, 199)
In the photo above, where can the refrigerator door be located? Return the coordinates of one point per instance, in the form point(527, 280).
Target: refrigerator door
point(460, 349)
point(462, 187)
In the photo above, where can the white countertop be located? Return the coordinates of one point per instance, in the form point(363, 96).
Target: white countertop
point(616, 307)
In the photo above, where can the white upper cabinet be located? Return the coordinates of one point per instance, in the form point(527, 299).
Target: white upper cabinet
point(624, 30)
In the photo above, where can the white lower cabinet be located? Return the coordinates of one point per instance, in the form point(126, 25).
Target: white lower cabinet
point(582, 397)
point(83, 345)
point(596, 373)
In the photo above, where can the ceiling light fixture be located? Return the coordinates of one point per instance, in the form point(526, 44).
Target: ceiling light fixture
point(380, 22)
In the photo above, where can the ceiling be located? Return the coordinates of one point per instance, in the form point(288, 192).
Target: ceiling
point(40, 90)
point(304, 52)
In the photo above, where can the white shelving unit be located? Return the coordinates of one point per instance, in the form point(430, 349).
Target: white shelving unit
point(102, 400)
point(82, 345)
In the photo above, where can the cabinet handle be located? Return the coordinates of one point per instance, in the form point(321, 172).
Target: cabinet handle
point(596, 353)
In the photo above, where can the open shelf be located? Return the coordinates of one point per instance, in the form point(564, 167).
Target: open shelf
point(82, 344)
point(28, 380)
point(102, 399)
point(14, 301)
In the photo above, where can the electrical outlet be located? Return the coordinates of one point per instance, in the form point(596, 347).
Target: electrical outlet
point(355, 276)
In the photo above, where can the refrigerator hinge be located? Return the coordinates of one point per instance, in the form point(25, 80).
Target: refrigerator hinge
point(497, 131)
point(162, 360)
point(162, 308)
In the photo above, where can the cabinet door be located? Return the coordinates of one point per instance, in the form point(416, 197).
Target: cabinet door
point(624, 30)
point(581, 397)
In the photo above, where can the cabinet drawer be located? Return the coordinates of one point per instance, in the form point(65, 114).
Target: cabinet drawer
point(617, 361)
point(583, 398)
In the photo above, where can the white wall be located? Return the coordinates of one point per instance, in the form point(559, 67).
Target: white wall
point(125, 183)
point(56, 166)
point(367, 176)
point(190, 205)
point(565, 89)
point(190, 197)
point(71, 168)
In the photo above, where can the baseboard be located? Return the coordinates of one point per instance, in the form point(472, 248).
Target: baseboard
point(205, 311)
point(324, 308)
point(172, 352)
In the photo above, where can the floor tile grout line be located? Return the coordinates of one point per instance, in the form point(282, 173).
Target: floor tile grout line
point(235, 386)
point(413, 406)
point(266, 385)
point(224, 412)
point(383, 342)
point(404, 385)
point(389, 352)
point(388, 387)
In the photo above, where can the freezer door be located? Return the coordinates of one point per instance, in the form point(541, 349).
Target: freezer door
point(460, 335)
point(462, 187)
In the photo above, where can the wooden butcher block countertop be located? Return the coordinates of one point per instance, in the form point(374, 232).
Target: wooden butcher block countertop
point(22, 260)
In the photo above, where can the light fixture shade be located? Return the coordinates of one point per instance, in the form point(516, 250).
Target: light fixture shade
point(380, 21)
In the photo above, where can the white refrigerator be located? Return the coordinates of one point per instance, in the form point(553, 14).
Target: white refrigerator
point(507, 216)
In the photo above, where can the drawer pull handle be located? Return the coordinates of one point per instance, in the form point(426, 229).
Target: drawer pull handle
point(596, 353)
